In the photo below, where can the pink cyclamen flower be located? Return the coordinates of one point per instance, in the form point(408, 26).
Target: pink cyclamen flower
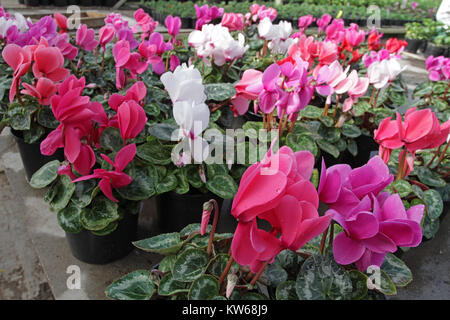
point(289, 204)
point(106, 34)
point(49, 63)
point(247, 89)
point(85, 38)
point(173, 25)
point(19, 59)
point(305, 21)
point(233, 21)
point(131, 119)
point(62, 42)
point(414, 5)
point(342, 187)
point(43, 91)
point(354, 36)
point(113, 178)
point(376, 226)
point(61, 21)
point(205, 15)
point(324, 21)
point(136, 92)
point(335, 31)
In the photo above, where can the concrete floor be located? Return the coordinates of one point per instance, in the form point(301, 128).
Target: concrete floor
point(34, 255)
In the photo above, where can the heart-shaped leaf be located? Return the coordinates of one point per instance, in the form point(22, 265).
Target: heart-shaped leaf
point(205, 287)
point(134, 286)
point(167, 243)
point(45, 175)
point(190, 265)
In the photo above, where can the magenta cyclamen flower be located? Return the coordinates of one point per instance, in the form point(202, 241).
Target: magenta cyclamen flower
point(85, 38)
point(438, 68)
point(376, 226)
point(205, 15)
point(173, 25)
point(342, 187)
point(324, 21)
point(305, 21)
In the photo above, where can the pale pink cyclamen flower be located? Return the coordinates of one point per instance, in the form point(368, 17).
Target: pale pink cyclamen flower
point(233, 21)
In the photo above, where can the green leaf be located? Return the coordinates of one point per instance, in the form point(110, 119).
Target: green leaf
point(286, 291)
point(328, 147)
point(100, 214)
point(327, 121)
point(434, 204)
point(298, 142)
point(69, 219)
point(111, 139)
point(133, 286)
point(275, 274)
point(45, 175)
point(164, 131)
point(142, 187)
point(429, 227)
point(154, 153)
point(287, 259)
point(311, 112)
point(330, 135)
point(397, 270)
point(167, 184)
point(352, 147)
point(422, 89)
point(46, 118)
point(219, 91)
point(361, 107)
point(217, 265)
point(359, 284)
point(106, 230)
point(168, 286)
point(193, 176)
point(166, 264)
point(350, 130)
point(85, 191)
point(20, 117)
point(167, 243)
point(190, 265)
point(320, 278)
point(251, 129)
point(204, 288)
point(35, 134)
point(253, 296)
point(190, 228)
point(403, 187)
point(429, 177)
point(64, 189)
point(182, 182)
point(387, 286)
point(222, 185)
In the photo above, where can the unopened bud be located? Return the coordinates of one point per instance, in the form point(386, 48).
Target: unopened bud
point(232, 280)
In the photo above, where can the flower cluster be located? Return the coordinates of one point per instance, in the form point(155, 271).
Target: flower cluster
point(419, 130)
point(374, 222)
point(438, 68)
point(187, 93)
point(216, 43)
point(277, 34)
point(206, 14)
point(289, 204)
point(258, 12)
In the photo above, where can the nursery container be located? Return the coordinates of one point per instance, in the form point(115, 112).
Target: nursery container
point(413, 45)
point(109, 3)
point(433, 50)
point(86, 3)
point(175, 211)
point(93, 249)
point(60, 3)
point(229, 121)
point(33, 3)
point(45, 2)
point(367, 147)
point(32, 158)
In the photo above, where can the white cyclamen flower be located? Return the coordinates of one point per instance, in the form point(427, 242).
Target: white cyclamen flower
point(216, 42)
point(184, 84)
point(382, 72)
point(269, 31)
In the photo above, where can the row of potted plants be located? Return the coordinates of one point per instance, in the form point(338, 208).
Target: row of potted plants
point(139, 116)
point(64, 3)
point(431, 37)
point(289, 11)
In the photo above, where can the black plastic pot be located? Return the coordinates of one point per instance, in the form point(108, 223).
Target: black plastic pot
point(73, 2)
point(367, 147)
point(32, 158)
point(175, 211)
point(413, 45)
point(44, 2)
point(33, 3)
point(434, 50)
point(250, 116)
point(186, 23)
point(21, 1)
point(229, 121)
point(90, 248)
point(109, 3)
point(60, 3)
point(86, 3)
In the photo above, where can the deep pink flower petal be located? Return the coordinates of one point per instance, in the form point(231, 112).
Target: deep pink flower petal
point(346, 250)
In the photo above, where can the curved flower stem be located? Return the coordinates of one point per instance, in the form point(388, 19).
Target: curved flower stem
point(103, 62)
point(441, 157)
point(330, 241)
point(256, 277)
point(322, 242)
point(228, 67)
point(214, 225)
point(434, 157)
point(337, 106)
point(226, 270)
point(325, 110)
point(376, 99)
point(400, 167)
point(417, 183)
point(303, 254)
point(372, 96)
